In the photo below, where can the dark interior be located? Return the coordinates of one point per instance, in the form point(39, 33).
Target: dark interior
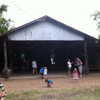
point(43, 51)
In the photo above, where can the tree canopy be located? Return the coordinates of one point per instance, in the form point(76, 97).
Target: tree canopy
point(5, 24)
point(96, 17)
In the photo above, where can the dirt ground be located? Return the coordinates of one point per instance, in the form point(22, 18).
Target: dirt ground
point(19, 85)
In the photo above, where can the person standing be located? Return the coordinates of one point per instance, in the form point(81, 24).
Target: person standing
point(69, 67)
point(79, 64)
point(41, 71)
point(34, 66)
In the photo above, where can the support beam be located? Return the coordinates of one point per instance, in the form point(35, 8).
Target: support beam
point(77, 50)
point(66, 53)
point(10, 57)
point(74, 52)
point(86, 58)
point(5, 62)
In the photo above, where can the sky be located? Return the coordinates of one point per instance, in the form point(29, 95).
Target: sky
point(75, 13)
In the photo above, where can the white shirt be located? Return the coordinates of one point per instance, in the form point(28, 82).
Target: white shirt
point(34, 64)
point(69, 64)
point(45, 71)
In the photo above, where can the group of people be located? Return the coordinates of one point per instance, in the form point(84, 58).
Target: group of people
point(43, 72)
point(78, 67)
point(77, 72)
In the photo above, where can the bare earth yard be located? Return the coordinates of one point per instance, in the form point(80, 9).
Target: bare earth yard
point(87, 88)
point(20, 85)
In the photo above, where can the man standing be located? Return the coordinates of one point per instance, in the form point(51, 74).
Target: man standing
point(34, 66)
point(79, 64)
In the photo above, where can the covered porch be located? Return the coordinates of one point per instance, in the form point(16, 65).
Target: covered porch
point(53, 54)
point(51, 43)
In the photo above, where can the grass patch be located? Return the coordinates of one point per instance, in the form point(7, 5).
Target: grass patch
point(57, 94)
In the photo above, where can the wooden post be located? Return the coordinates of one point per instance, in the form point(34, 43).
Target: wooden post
point(5, 62)
point(10, 57)
point(74, 52)
point(66, 53)
point(86, 58)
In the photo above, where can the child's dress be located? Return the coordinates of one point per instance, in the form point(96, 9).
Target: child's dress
point(45, 71)
point(75, 75)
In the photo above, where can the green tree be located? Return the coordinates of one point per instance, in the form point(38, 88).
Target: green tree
point(99, 36)
point(5, 24)
point(96, 17)
point(3, 8)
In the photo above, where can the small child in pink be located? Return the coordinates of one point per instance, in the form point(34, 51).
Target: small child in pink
point(75, 75)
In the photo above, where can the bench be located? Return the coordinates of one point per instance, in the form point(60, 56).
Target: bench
point(92, 67)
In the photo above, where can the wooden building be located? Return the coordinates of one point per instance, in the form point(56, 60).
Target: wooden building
point(51, 43)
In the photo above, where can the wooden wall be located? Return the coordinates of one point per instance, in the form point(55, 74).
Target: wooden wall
point(45, 30)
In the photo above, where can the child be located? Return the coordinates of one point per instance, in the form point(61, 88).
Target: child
point(75, 75)
point(41, 71)
point(45, 72)
point(49, 82)
point(34, 66)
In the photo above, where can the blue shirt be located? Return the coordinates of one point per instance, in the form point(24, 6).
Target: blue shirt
point(50, 81)
point(42, 70)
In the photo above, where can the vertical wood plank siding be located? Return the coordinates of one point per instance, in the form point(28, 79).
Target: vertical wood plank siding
point(45, 30)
